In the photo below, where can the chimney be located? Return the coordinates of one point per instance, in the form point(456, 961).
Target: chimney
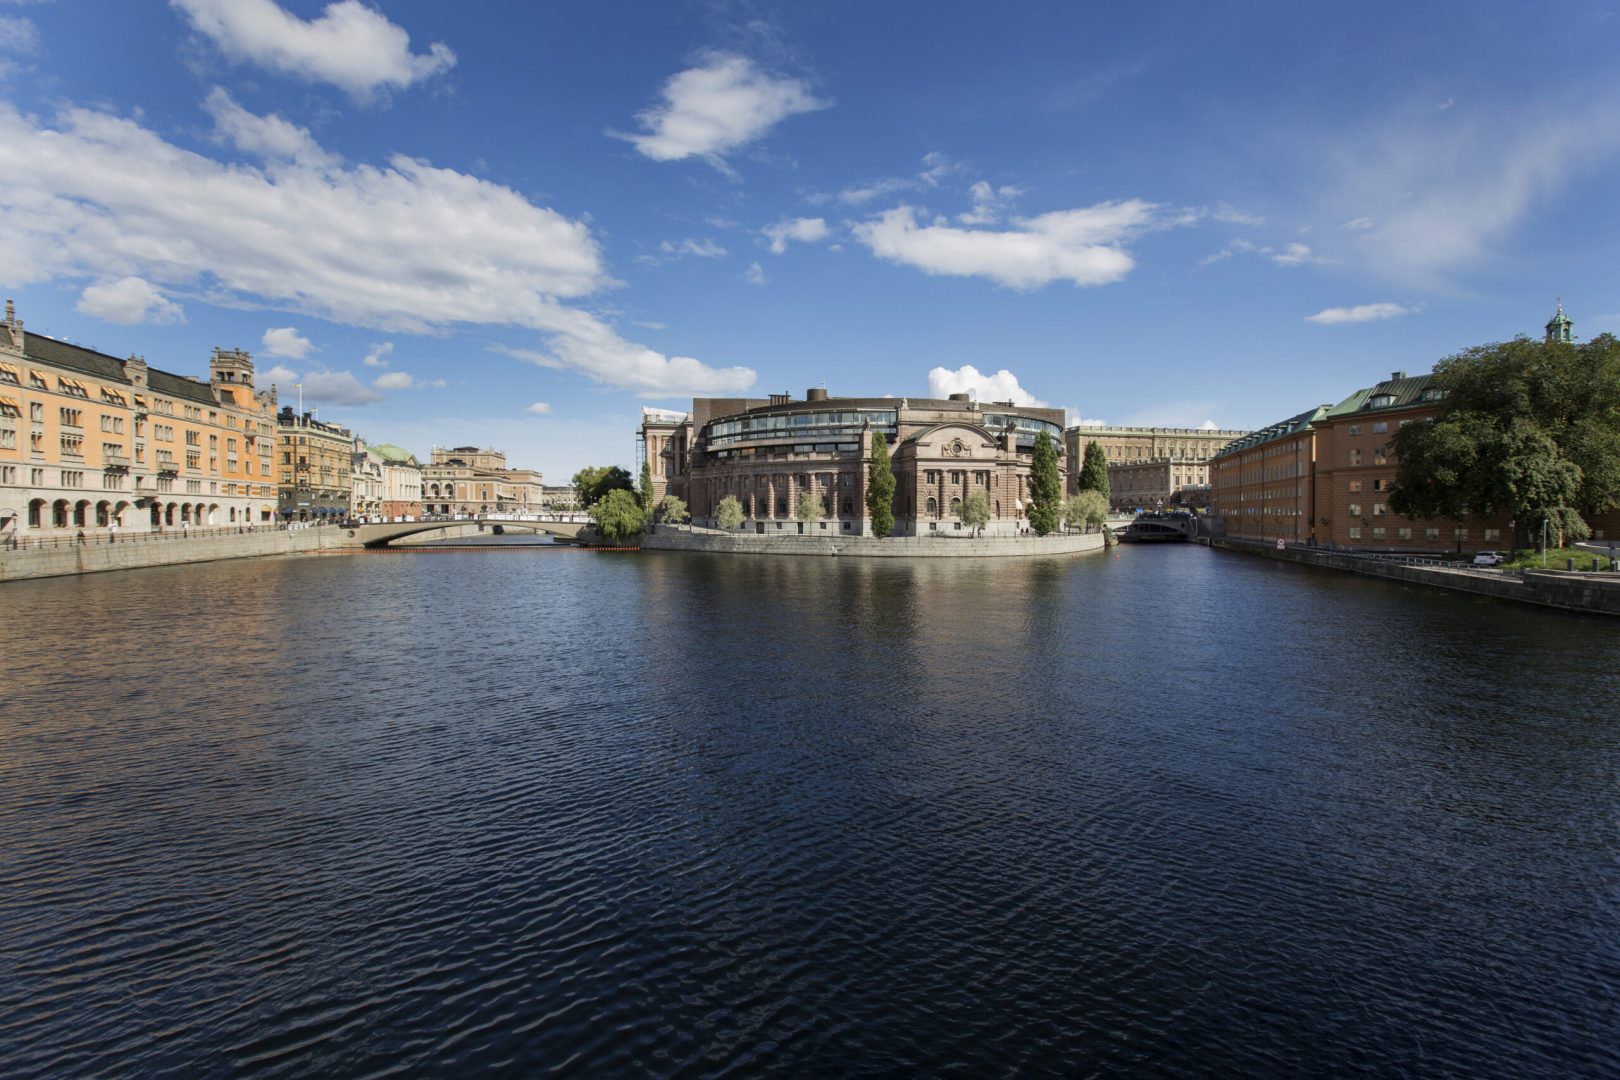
point(960, 397)
point(1396, 376)
point(816, 393)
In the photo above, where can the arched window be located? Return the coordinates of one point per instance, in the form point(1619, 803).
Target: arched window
point(59, 513)
point(103, 514)
point(185, 513)
point(956, 507)
point(36, 513)
point(233, 514)
point(933, 507)
point(81, 513)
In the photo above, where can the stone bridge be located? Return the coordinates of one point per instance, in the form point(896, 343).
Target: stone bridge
point(382, 535)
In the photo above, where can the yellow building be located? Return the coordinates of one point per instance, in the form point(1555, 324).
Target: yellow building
point(315, 478)
point(93, 443)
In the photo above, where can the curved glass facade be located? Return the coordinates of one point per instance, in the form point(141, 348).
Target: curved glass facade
point(818, 425)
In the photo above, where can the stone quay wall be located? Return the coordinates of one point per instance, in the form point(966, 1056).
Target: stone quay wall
point(132, 553)
point(1595, 592)
point(895, 547)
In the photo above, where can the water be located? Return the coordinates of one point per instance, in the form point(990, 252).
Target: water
point(1176, 812)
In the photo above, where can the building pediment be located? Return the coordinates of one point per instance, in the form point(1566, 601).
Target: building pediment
point(953, 442)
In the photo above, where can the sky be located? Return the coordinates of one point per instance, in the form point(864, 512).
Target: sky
point(515, 224)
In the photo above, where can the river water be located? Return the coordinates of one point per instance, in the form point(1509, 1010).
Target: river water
point(1173, 812)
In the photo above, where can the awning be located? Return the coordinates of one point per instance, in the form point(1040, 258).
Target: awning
point(71, 384)
point(13, 372)
point(11, 403)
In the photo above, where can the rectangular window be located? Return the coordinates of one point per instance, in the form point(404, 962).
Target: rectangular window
point(1459, 534)
point(8, 438)
point(1378, 533)
point(1355, 485)
point(1355, 456)
point(1355, 532)
point(1354, 509)
point(1404, 533)
point(73, 445)
point(1380, 427)
point(72, 418)
point(36, 412)
point(1431, 534)
point(1355, 429)
point(1378, 485)
point(1493, 534)
point(1378, 509)
point(1380, 456)
point(72, 478)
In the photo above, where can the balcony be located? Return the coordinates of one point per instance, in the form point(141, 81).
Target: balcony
point(115, 461)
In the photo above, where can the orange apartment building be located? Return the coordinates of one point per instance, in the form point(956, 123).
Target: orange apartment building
point(93, 443)
point(1262, 485)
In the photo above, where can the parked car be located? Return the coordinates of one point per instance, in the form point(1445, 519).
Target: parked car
point(1489, 558)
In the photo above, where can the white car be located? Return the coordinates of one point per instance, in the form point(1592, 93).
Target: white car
point(1489, 558)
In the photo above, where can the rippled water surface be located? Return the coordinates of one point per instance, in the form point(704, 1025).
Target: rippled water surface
point(1175, 812)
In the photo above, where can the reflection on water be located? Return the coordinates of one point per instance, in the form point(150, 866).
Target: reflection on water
point(1174, 811)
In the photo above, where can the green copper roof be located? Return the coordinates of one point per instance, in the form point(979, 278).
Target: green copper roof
point(390, 452)
point(1282, 429)
point(1401, 393)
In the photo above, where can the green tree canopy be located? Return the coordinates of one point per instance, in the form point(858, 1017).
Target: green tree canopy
point(1094, 473)
point(672, 509)
point(1526, 428)
point(1088, 507)
point(646, 488)
point(810, 506)
point(1045, 486)
point(880, 487)
point(729, 514)
point(618, 515)
point(595, 481)
point(976, 510)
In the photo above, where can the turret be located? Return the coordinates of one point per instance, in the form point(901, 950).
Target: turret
point(1559, 327)
point(231, 367)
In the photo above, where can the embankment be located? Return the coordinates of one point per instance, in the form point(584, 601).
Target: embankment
point(1594, 592)
point(893, 547)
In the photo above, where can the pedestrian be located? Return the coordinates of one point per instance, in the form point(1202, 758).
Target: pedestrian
point(112, 533)
point(81, 536)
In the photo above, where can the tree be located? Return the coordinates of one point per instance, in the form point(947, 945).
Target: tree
point(595, 481)
point(810, 506)
point(672, 510)
point(880, 487)
point(1094, 472)
point(976, 511)
point(1088, 507)
point(1045, 486)
point(1525, 428)
point(729, 514)
point(618, 515)
point(646, 491)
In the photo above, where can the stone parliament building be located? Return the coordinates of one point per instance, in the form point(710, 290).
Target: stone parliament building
point(766, 452)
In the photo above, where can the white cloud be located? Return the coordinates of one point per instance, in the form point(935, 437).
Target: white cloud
point(1360, 313)
point(1294, 255)
point(1085, 423)
point(286, 341)
point(128, 301)
point(1082, 245)
point(1233, 216)
point(18, 35)
point(1002, 386)
point(280, 375)
point(581, 342)
point(710, 110)
point(337, 388)
point(377, 356)
point(406, 247)
point(935, 167)
point(804, 230)
point(268, 137)
point(1209, 425)
point(755, 274)
point(539, 408)
point(1441, 192)
point(988, 203)
point(394, 380)
point(351, 45)
point(1358, 224)
point(703, 249)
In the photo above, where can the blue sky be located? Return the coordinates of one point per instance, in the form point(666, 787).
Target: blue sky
point(515, 224)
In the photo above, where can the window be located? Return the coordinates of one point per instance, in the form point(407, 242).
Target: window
point(36, 412)
point(37, 381)
point(1378, 485)
point(192, 439)
point(1377, 533)
point(1431, 534)
point(933, 507)
point(73, 445)
point(1380, 456)
point(1459, 533)
point(1378, 509)
point(1355, 429)
point(1355, 456)
point(1380, 427)
point(72, 418)
point(111, 449)
point(1354, 509)
point(1355, 485)
point(1355, 532)
point(8, 438)
point(1403, 533)
point(1493, 534)
point(72, 478)
point(1381, 401)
